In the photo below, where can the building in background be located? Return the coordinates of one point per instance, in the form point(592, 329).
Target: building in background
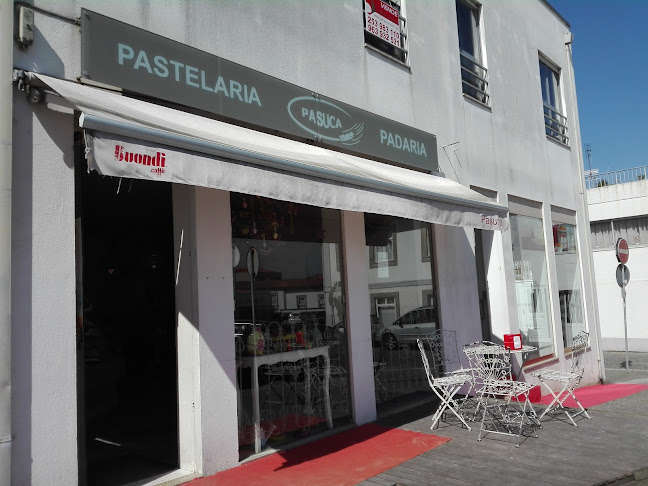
point(231, 220)
point(618, 208)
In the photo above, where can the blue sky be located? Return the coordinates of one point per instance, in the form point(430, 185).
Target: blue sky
point(611, 69)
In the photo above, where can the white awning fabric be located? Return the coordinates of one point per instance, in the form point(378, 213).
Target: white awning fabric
point(127, 137)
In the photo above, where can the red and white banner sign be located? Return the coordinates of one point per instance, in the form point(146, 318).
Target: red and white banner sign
point(382, 20)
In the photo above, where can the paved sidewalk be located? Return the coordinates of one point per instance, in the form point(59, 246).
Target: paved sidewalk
point(612, 448)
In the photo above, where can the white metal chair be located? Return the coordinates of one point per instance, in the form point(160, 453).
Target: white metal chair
point(504, 402)
point(568, 379)
point(445, 352)
point(445, 388)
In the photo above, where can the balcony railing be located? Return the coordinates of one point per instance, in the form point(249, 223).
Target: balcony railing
point(593, 179)
point(555, 125)
point(474, 78)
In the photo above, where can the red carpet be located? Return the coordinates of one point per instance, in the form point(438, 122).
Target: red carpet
point(346, 458)
point(590, 396)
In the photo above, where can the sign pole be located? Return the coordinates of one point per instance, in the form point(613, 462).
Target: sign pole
point(625, 319)
point(623, 254)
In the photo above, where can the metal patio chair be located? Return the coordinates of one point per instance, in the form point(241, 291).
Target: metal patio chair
point(444, 349)
point(445, 388)
point(504, 402)
point(568, 379)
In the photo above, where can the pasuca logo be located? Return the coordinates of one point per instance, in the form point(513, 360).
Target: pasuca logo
point(325, 120)
point(157, 161)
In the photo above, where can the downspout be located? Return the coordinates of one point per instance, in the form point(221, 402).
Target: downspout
point(569, 37)
point(6, 99)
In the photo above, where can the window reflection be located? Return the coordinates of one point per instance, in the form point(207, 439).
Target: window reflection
point(531, 289)
point(289, 322)
point(401, 294)
point(569, 281)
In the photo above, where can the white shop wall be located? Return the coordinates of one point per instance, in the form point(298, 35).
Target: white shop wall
point(44, 420)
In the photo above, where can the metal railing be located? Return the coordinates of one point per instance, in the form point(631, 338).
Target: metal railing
point(555, 125)
point(474, 78)
point(623, 176)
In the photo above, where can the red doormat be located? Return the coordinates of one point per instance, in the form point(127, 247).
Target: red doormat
point(346, 458)
point(590, 396)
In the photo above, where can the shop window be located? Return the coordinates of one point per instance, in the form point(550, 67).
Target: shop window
point(385, 29)
point(474, 75)
point(555, 121)
point(287, 308)
point(531, 283)
point(402, 307)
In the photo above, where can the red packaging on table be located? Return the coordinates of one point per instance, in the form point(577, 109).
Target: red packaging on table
point(513, 341)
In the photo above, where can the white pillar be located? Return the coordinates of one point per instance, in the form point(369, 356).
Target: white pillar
point(44, 388)
point(358, 318)
point(215, 298)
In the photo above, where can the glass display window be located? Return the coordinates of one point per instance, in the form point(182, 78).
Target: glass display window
point(289, 322)
point(569, 281)
point(531, 284)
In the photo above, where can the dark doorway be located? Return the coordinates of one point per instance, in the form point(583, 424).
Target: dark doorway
point(128, 399)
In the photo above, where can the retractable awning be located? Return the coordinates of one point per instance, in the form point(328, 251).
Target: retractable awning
point(127, 137)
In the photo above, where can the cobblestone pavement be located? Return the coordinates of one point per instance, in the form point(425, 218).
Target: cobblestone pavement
point(611, 449)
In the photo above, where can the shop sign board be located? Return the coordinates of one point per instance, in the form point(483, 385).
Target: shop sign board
point(137, 61)
point(622, 251)
point(382, 20)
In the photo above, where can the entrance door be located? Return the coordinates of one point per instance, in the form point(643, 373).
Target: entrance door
point(129, 401)
point(482, 285)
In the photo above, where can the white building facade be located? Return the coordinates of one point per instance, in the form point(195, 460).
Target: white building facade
point(365, 162)
point(618, 208)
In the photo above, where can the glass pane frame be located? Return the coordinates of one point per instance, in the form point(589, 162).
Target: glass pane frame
point(290, 322)
point(403, 306)
point(532, 291)
point(569, 281)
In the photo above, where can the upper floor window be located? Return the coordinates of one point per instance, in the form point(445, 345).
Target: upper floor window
point(474, 75)
point(555, 122)
point(385, 28)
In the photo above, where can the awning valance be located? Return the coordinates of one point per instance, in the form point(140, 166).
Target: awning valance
point(127, 137)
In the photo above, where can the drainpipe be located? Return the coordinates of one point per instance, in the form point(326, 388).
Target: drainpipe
point(6, 98)
point(589, 258)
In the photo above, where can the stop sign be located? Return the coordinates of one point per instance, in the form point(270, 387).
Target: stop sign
point(622, 251)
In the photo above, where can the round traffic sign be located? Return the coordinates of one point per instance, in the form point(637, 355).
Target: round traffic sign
point(622, 251)
point(622, 275)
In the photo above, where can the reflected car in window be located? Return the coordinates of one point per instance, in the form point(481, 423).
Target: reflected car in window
point(409, 327)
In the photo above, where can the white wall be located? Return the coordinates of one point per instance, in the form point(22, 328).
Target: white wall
point(611, 303)
point(44, 404)
point(613, 202)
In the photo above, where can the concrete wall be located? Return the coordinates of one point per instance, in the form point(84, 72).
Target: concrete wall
point(614, 202)
point(611, 303)
point(618, 201)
